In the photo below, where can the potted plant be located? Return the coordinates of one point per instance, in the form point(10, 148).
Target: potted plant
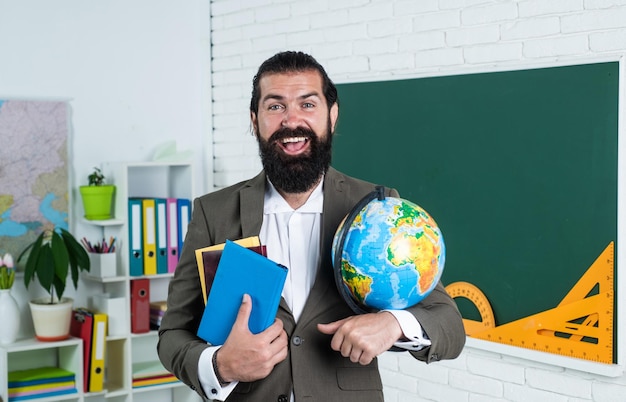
point(9, 310)
point(97, 196)
point(50, 257)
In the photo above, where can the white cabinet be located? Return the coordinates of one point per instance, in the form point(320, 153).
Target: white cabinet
point(30, 353)
point(112, 293)
point(124, 348)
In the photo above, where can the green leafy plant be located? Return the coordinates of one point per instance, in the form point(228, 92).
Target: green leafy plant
point(7, 273)
point(96, 178)
point(50, 256)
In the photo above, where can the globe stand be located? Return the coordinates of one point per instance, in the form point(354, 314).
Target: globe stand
point(378, 193)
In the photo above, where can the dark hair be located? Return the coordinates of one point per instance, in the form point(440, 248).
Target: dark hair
point(287, 62)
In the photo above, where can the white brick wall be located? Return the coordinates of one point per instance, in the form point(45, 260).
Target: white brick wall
point(370, 39)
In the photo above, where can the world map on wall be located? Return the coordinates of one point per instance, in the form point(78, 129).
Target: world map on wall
point(33, 171)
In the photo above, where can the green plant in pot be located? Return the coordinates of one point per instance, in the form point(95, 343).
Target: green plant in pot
point(49, 258)
point(97, 196)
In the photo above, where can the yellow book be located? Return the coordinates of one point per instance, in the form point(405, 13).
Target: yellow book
point(39, 387)
point(154, 381)
point(252, 241)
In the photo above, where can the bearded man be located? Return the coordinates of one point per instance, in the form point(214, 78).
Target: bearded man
point(317, 349)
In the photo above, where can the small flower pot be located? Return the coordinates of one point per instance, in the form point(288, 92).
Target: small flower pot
point(98, 201)
point(51, 321)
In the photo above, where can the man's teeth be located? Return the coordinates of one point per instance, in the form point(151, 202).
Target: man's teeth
point(293, 139)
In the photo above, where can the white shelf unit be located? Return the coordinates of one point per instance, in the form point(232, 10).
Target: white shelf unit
point(30, 353)
point(150, 180)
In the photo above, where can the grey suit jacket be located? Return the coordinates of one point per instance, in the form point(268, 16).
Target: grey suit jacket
point(312, 370)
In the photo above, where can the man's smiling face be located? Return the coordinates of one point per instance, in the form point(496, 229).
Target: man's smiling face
point(294, 128)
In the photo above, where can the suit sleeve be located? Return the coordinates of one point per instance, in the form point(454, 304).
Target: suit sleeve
point(441, 320)
point(179, 348)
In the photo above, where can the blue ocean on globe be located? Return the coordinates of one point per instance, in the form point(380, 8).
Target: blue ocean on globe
point(392, 256)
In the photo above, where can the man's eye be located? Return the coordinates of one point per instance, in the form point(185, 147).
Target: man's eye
point(274, 107)
point(308, 105)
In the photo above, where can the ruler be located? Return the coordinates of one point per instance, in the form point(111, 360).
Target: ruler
point(472, 293)
point(580, 326)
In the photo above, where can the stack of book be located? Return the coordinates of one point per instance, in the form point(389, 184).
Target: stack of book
point(40, 383)
point(157, 310)
point(151, 373)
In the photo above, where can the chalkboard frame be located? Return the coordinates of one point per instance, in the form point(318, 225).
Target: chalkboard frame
point(620, 284)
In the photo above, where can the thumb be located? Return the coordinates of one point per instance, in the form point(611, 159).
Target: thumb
point(330, 328)
point(243, 316)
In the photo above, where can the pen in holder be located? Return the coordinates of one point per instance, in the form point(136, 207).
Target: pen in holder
point(103, 257)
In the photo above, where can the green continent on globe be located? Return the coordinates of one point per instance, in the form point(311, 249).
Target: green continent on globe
point(407, 215)
point(360, 285)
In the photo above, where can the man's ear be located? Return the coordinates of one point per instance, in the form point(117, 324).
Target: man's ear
point(255, 125)
point(334, 114)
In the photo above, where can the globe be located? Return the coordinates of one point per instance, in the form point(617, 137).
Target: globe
point(388, 253)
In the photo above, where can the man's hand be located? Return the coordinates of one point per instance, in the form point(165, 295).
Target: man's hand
point(248, 357)
point(363, 337)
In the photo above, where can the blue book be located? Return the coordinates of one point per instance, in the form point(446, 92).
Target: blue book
point(43, 395)
point(240, 271)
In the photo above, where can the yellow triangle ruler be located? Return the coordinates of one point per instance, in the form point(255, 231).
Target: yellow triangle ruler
point(580, 326)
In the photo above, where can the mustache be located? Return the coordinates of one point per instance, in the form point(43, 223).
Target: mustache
point(285, 132)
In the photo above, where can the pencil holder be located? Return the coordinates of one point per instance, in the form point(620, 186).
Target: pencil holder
point(103, 264)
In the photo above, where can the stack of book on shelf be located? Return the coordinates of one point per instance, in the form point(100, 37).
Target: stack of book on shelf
point(157, 310)
point(151, 373)
point(40, 382)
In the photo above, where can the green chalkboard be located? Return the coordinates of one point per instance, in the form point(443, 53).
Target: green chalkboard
point(518, 168)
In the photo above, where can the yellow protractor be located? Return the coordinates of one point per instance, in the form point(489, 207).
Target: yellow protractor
point(476, 296)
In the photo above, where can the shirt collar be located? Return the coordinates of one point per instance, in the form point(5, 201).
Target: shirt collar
point(275, 203)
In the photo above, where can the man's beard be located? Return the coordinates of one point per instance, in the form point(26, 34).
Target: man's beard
point(295, 174)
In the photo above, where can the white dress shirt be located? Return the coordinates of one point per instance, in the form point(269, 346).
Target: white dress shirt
point(292, 238)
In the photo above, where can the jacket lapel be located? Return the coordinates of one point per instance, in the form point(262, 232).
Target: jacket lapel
point(252, 196)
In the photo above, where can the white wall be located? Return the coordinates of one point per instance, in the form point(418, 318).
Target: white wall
point(381, 39)
point(135, 73)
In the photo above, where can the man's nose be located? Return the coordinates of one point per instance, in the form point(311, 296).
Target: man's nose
point(291, 119)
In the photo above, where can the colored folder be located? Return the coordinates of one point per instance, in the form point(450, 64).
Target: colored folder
point(184, 216)
point(149, 236)
point(98, 350)
point(206, 271)
point(161, 235)
point(81, 327)
point(140, 306)
point(172, 234)
point(135, 237)
point(241, 271)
